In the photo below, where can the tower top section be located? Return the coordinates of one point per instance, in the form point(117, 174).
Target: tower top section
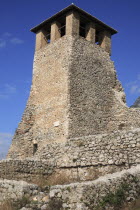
point(83, 15)
point(75, 22)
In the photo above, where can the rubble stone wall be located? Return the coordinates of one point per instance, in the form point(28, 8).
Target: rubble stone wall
point(10, 189)
point(117, 148)
point(74, 93)
point(84, 158)
point(27, 170)
point(99, 194)
point(107, 192)
point(97, 99)
point(45, 119)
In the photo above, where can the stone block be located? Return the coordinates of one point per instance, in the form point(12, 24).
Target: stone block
point(55, 32)
point(72, 24)
point(40, 40)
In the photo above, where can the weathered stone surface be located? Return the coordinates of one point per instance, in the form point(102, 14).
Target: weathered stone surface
point(72, 24)
point(10, 189)
point(92, 194)
point(77, 196)
point(28, 170)
point(74, 83)
point(83, 158)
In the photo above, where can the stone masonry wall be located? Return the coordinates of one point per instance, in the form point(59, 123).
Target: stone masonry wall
point(15, 190)
point(45, 117)
point(107, 192)
point(99, 194)
point(74, 93)
point(117, 148)
point(84, 158)
point(27, 170)
point(87, 158)
point(97, 99)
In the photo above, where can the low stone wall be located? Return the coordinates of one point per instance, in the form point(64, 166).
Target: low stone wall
point(89, 157)
point(107, 192)
point(28, 170)
point(35, 171)
point(84, 158)
point(104, 193)
point(15, 190)
point(117, 148)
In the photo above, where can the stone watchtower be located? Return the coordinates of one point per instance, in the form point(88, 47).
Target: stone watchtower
point(74, 90)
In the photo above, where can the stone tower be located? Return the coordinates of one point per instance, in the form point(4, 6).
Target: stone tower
point(74, 90)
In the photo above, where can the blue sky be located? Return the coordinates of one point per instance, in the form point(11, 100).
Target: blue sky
point(17, 50)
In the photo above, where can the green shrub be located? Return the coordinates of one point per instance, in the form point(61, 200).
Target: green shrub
point(55, 204)
point(115, 199)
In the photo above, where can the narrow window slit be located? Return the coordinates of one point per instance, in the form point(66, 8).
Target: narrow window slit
point(35, 147)
point(83, 30)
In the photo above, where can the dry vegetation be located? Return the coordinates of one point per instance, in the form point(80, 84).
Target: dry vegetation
point(7, 205)
point(10, 205)
point(55, 179)
point(134, 206)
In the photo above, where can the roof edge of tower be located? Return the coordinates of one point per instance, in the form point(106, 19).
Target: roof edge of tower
point(67, 9)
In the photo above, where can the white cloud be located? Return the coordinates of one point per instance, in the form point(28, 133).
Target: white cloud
point(16, 41)
point(134, 86)
point(7, 34)
point(138, 76)
point(133, 89)
point(7, 90)
point(5, 141)
point(2, 43)
point(3, 96)
point(10, 89)
point(7, 38)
